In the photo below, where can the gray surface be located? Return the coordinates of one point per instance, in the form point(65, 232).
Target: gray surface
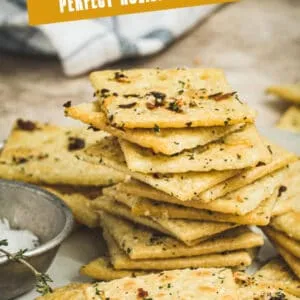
point(28, 207)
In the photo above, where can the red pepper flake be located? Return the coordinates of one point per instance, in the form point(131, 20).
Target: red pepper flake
point(26, 125)
point(129, 105)
point(150, 105)
point(121, 77)
point(75, 143)
point(67, 104)
point(213, 96)
point(142, 293)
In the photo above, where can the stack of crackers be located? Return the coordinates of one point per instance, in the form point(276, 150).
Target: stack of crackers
point(197, 171)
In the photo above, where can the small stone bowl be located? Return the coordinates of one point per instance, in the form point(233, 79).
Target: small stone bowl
point(29, 207)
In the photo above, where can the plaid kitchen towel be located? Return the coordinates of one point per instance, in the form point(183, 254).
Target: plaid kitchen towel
point(88, 44)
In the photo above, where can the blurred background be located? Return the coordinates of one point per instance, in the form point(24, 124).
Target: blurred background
point(256, 42)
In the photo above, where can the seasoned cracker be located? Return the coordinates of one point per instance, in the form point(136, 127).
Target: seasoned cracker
point(279, 158)
point(183, 186)
point(239, 150)
point(277, 273)
point(291, 260)
point(46, 154)
point(289, 223)
point(169, 99)
point(147, 207)
point(188, 231)
point(160, 140)
point(101, 269)
point(79, 201)
point(240, 202)
point(284, 241)
point(200, 284)
point(120, 260)
point(142, 243)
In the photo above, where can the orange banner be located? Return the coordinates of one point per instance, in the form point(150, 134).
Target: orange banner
point(52, 11)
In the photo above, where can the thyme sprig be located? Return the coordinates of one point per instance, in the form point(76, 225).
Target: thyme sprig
point(42, 279)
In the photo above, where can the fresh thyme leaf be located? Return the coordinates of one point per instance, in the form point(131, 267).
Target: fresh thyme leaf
point(3, 243)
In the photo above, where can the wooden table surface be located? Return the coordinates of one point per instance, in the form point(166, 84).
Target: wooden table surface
point(257, 43)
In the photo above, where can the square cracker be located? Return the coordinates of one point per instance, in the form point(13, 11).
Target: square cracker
point(263, 291)
point(120, 260)
point(240, 202)
point(166, 141)
point(183, 186)
point(189, 232)
point(239, 150)
point(101, 269)
point(290, 120)
point(79, 200)
point(200, 284)
point(143, 243)
point(169, 98)
point(279, 158)
point(46, 154)
point(74, 291)
point(291, 260)
point(277, 273)
point(147, 207)
point(289, 191)
point(283, 241)
point(288, 92)
point(289, 223)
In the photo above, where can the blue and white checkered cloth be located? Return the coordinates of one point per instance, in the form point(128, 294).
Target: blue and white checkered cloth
point(88, 44)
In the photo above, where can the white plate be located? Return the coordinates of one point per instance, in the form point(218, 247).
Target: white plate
point(85, 245)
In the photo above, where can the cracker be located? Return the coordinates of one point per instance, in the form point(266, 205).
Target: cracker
point(101, 269)
point(288, 92)
point(189, 232)
point(79, 201)
point(289, 190)
point(283, 241)
point(291, 260)
point(280, 158)
point(289, 223)
point(200, 284)
point(147, 207)
point(120, 260)
point(146, 100)
point(262, 291)
point(143, 243)
point(238, 150)
point(239, 202)
point(183, 186)
point(74, 291)
point(277, 273)
point(38, 153)
point(166, 141)
point(290, 120)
